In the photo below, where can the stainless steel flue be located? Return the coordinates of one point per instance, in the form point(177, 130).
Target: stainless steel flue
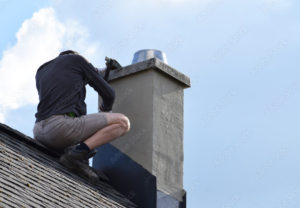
point(143, 55)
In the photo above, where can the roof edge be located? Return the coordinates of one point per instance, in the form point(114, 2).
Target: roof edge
point(28, 140)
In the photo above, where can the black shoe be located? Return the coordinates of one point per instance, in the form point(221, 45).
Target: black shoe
point(76, 160)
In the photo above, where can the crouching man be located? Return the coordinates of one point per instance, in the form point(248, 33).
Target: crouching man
point(61, 119)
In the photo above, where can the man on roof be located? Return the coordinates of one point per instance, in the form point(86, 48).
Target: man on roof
point(62, 123)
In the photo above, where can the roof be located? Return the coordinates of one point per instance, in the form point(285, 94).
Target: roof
point(30, 176)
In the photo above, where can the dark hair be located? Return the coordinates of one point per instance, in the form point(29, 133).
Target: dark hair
point(68, 52)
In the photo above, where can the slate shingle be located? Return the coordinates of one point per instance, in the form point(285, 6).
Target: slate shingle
point(30, 176)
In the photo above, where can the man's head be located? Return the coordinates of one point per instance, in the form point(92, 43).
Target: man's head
point(68, 52)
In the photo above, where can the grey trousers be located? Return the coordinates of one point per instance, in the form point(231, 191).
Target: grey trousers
point(60, 131)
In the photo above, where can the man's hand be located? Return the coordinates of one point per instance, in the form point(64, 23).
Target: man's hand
point(100, 110)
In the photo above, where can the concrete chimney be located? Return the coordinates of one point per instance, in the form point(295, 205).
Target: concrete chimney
point(151, 94)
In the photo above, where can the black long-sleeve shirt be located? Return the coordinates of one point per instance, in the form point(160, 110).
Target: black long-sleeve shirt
point(61, 86)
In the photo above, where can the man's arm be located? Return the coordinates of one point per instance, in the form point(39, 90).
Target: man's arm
point(96, 81)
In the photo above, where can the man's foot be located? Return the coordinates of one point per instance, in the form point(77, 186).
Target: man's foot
point(76, 160)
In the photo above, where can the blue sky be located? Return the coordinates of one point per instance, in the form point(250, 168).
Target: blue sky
point(241, 136)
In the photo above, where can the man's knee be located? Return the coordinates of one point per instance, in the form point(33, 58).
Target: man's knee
point(125, 123)
point(120, 119)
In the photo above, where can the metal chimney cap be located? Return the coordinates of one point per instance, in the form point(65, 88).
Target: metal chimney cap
point(148, 50)
point(145, 54)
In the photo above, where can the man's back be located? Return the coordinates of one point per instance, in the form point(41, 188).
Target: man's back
point(61, 86)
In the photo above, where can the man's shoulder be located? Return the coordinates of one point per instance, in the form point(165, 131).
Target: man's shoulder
point(83, 61)
point(46, 65)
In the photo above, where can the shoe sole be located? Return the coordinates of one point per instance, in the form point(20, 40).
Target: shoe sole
point(91, 179)
point(64, 162)
point(82, 173)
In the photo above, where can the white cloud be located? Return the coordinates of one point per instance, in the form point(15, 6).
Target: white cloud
point(39, 39)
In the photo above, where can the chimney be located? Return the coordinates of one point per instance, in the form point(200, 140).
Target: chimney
point(147, 162)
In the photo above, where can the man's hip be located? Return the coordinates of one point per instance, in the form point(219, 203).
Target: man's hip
point(60, 131)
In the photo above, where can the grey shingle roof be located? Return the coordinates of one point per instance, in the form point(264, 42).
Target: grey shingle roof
point(30, 176)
